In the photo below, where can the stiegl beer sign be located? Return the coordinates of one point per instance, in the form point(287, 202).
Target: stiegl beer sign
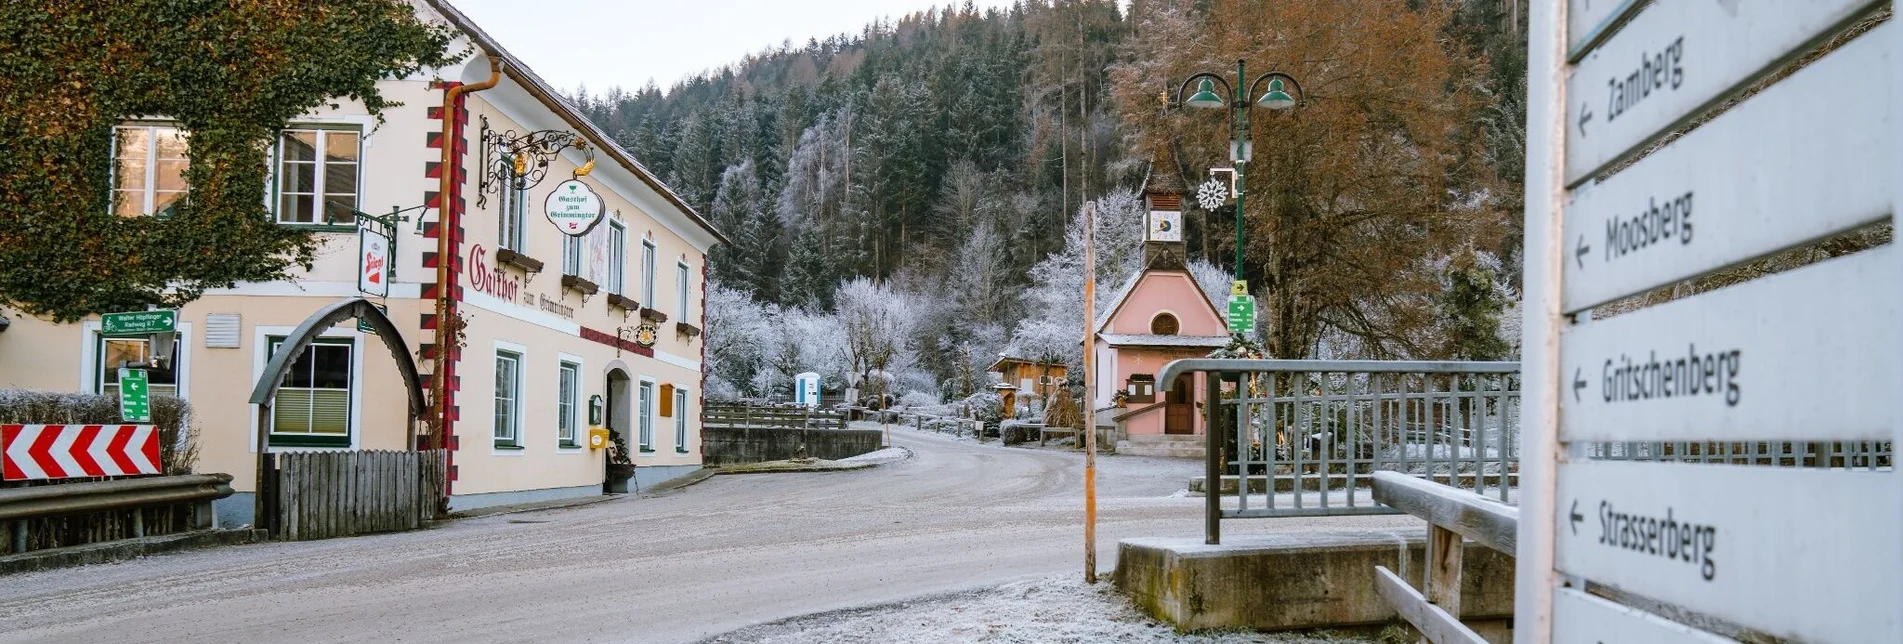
point(574, 208)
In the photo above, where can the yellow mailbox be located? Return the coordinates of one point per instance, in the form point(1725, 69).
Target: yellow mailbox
point(597, 438)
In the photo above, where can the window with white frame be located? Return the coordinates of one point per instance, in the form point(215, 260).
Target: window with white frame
point(571, 255)
point(680, 273)
point(508, 421)
point(680, 420)
point(646, 413)
point(148, 169)
point(647, 273)
point(568, 385)
point(317, 175)
point(312, 408)
point(510, 211)
point(112, 352)
point(617, 256)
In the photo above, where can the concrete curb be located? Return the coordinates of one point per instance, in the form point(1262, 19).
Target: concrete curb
point(680, 482)
point(777, 467)
point(815, 465)
point(515, 508)
point(124, 549)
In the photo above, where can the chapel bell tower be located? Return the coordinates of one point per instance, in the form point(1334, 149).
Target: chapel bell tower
point(1163, 244)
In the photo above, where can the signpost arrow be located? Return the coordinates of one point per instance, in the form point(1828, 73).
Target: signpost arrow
point(1578, 383)
point(1577, 517)
point(1579, 254)
point(135, 400)
point(1585, 114)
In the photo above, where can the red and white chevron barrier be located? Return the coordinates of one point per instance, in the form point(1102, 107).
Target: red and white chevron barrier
point(29, 452)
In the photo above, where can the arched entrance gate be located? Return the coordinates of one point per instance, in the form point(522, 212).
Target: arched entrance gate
point(406, 486)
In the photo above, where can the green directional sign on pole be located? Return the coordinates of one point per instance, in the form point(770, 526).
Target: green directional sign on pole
point(135, 396)
point(1241, 314)
point(139, 322)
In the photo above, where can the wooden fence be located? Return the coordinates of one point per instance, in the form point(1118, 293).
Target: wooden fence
point(336, 494)
point(727, 415)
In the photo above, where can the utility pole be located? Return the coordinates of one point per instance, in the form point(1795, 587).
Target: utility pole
point(1090, 394)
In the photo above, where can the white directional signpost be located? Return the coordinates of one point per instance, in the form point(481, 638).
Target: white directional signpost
point(1675, 57)
point(1659, 153)
point(1748, 362)
point(1808, 157)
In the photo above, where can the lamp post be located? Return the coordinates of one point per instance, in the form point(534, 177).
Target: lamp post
point(1241, 102)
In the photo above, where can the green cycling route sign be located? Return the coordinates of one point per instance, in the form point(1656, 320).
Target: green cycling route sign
point(139, 322)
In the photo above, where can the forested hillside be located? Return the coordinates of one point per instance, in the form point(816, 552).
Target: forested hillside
point(903, 200)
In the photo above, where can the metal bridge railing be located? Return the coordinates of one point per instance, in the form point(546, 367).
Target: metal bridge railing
point(1305, 437)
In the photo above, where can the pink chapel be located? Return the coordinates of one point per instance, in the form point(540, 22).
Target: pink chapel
point(1158, 316)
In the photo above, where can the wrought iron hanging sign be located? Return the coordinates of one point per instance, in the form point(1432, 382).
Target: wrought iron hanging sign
point(574, 208)
point(512, 161)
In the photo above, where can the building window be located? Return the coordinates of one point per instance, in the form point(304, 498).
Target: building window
point(647, 273)
point(312, 408)
point(317, 176)
point(116, 351)
point(510, 212)
point(508, 399)
point(148, 170)
point(646, 414)
point(617, 256)
point(569, 385)
point(571, 255)
point(1163, 324)
point(680, 273)
point(680, 421)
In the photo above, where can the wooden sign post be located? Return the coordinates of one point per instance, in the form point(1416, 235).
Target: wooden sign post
point(1658, 153)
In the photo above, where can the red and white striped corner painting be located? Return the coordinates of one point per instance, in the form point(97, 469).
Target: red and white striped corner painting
point(38, 452)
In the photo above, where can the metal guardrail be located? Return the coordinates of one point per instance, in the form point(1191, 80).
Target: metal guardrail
point(1317, 431)
point(1314, 432)
point(23, 504)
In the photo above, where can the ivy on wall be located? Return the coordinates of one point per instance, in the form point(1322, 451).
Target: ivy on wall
point(230, 74)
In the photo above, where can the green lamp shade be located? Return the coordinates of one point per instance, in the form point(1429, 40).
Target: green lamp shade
point(1205, 96)
point(1276, 99)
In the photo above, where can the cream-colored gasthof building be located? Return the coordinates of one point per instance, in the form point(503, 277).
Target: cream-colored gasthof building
point(551, 324)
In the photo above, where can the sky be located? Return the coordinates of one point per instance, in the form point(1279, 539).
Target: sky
point(628, 42)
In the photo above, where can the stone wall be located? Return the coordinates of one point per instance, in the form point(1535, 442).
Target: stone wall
point(738, 445)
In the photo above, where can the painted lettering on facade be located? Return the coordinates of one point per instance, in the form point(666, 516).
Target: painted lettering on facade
point(492, 280)
point(556, 307)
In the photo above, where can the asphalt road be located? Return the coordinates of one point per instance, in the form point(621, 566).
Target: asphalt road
point(707, 559)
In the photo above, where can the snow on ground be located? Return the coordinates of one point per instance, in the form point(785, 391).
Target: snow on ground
point(1048, 609)
point(881, 457)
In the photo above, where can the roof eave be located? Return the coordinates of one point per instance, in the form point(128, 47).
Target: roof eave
point(536, 87)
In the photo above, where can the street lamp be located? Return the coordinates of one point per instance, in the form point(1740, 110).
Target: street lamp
point(1277, 97)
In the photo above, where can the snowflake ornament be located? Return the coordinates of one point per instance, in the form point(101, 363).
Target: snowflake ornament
point(1212, 194)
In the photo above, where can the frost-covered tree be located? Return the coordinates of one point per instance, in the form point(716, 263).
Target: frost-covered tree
point(1053, 327)
point(800, 341)
point(876, 321)
point(737, 332)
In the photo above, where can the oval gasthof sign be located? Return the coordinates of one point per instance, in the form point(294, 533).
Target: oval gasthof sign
point(574, 208)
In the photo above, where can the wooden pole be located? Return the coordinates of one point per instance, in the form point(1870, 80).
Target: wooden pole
point(1090, 391)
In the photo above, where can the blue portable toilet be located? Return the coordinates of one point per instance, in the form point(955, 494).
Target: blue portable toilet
point(806, 389)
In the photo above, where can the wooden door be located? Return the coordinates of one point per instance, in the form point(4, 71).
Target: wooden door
point(1177, 418)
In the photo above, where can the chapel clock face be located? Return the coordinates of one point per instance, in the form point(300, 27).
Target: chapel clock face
point(1165, 226)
